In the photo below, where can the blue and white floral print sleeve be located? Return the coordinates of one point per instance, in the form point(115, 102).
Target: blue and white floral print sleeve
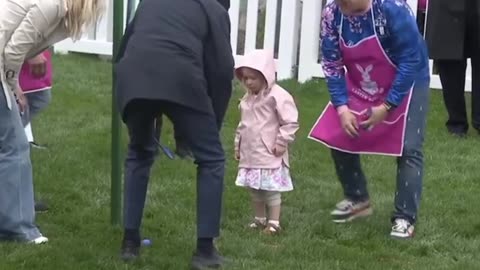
point(332, 61)
point(406, 47)
point(401, 41)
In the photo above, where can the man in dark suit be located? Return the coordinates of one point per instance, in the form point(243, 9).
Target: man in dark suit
point(453, 36)
point(176, 60)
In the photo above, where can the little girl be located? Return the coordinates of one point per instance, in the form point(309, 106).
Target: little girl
point(269, 120)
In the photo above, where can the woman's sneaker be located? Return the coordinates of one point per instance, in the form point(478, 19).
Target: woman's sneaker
point(348, 210)
point(402, 229)
point(39, 240)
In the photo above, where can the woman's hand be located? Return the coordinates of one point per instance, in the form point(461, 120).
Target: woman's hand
point(377, 115)
point(38, 65)
point(21, 100)
point(349, 123)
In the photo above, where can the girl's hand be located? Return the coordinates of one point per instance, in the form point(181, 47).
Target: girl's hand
point(377, 115)
point(279, 150)
point(38, 65)
point(349, 123)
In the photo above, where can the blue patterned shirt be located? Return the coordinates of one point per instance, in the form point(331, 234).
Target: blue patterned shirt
point(398, 34)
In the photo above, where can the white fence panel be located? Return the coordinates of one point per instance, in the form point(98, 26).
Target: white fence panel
point(288, 32)
point(289, 38)
point(252, 25)
point(270, 25)
point(309, 64)
point(234, 13)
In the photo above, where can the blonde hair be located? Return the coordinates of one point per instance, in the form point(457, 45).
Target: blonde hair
point(81, 14)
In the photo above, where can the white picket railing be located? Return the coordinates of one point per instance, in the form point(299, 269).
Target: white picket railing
point(292, 30)
point(288, 37)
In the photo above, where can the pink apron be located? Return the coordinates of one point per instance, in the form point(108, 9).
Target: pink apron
point(30, 83)
point(369, 76)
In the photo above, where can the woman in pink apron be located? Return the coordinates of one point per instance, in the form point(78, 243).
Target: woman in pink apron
point(376, 65)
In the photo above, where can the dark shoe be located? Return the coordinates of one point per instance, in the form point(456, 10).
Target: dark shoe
point(202, 261)
point(458, 131)
point(130, 250)
point(41, 207)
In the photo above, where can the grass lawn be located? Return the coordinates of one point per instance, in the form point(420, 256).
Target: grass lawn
point(73, 175)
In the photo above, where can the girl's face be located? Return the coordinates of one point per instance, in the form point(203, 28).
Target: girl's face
point(354, 7)
point(253, 80)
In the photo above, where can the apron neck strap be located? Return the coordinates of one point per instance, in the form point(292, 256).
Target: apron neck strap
point(372, 16)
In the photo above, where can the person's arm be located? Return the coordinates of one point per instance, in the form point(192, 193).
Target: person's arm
point(219, 67)
point(287, 114)
point(405, 46)
point(238, 137)
point(24, 38)
point(332, 61)
point(124, 42)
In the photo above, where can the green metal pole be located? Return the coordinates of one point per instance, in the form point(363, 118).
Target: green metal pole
point(116, 173)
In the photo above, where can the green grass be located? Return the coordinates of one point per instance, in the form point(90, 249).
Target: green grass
point(73, 175)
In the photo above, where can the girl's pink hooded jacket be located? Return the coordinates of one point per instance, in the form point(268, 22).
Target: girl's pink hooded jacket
point(267, 119)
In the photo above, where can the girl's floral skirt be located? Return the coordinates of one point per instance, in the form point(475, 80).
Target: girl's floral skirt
point(265, 179)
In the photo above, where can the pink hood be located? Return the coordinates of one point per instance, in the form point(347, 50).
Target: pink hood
point(260, 60)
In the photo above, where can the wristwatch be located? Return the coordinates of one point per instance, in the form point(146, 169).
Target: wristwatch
point(389, 106)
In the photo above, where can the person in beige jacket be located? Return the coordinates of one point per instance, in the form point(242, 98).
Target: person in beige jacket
point(27, 27)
